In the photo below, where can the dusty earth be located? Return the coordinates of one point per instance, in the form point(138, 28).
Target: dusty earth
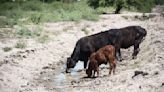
point(40, 67)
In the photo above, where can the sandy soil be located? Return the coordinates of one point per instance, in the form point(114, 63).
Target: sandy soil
point(40, 67)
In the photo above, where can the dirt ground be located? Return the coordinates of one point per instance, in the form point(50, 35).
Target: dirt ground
point(40, 67)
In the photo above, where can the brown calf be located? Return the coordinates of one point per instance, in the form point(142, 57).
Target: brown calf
point(102, 56)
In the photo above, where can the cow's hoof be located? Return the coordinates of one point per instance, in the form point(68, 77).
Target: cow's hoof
point(134, 57)
point(68, 71)
point(120, 60)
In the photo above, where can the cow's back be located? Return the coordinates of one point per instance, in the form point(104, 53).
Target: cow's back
point(92, 43)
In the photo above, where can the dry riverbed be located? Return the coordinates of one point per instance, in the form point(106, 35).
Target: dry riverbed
point(40, 67)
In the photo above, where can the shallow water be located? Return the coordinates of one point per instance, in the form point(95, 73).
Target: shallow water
point(62, 79)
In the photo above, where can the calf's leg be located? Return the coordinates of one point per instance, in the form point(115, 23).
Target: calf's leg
point(114, 66)
point(97, 72)
point(110, 69)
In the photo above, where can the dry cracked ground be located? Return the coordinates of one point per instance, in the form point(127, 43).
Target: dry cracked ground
point(40, 67)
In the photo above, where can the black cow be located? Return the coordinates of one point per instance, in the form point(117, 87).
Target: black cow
point(120, 38)
point(126, 37)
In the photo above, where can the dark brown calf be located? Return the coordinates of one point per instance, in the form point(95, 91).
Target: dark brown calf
point(102, 56)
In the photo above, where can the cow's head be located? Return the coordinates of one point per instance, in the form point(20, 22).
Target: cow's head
point(70, 64)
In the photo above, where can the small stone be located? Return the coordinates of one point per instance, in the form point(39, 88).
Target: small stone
point(1, 79)
point(28, 83)
point(42, 72)
point(156, 73)
point(53, 68)
point(23, 86)
point(24, 56)
point(162, 84)
point(72, 82)
point(6, 61)
point(140, 87)
point(32, 50)
point(45, 67)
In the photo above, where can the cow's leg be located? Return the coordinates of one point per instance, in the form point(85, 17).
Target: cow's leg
point(85, 64)
point(118, 54)
point(136, 50)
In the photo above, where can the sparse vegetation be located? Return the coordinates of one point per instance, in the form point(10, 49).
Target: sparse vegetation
point(136, 64)
point(144, 17)
point(20, 45)
point(23, 31)
point(7, 49)
point(104, 25)
point(43, 39)
point(104, 10)
point(4, 22)
point(36, 32)
point(125, 17)
point(85, 30)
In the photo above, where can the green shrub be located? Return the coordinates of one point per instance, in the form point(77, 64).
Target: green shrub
point(102, 10)
point(51, 17)
point(60, 5)
point(159, 2)
point(72, 12)
point(9, 6)
point(33, 5)
point(36, 18)
point(91, 17)
point(144, 5)
point(140, 5)
point(36, 12)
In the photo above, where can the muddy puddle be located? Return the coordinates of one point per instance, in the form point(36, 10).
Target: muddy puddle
point(62, 80)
